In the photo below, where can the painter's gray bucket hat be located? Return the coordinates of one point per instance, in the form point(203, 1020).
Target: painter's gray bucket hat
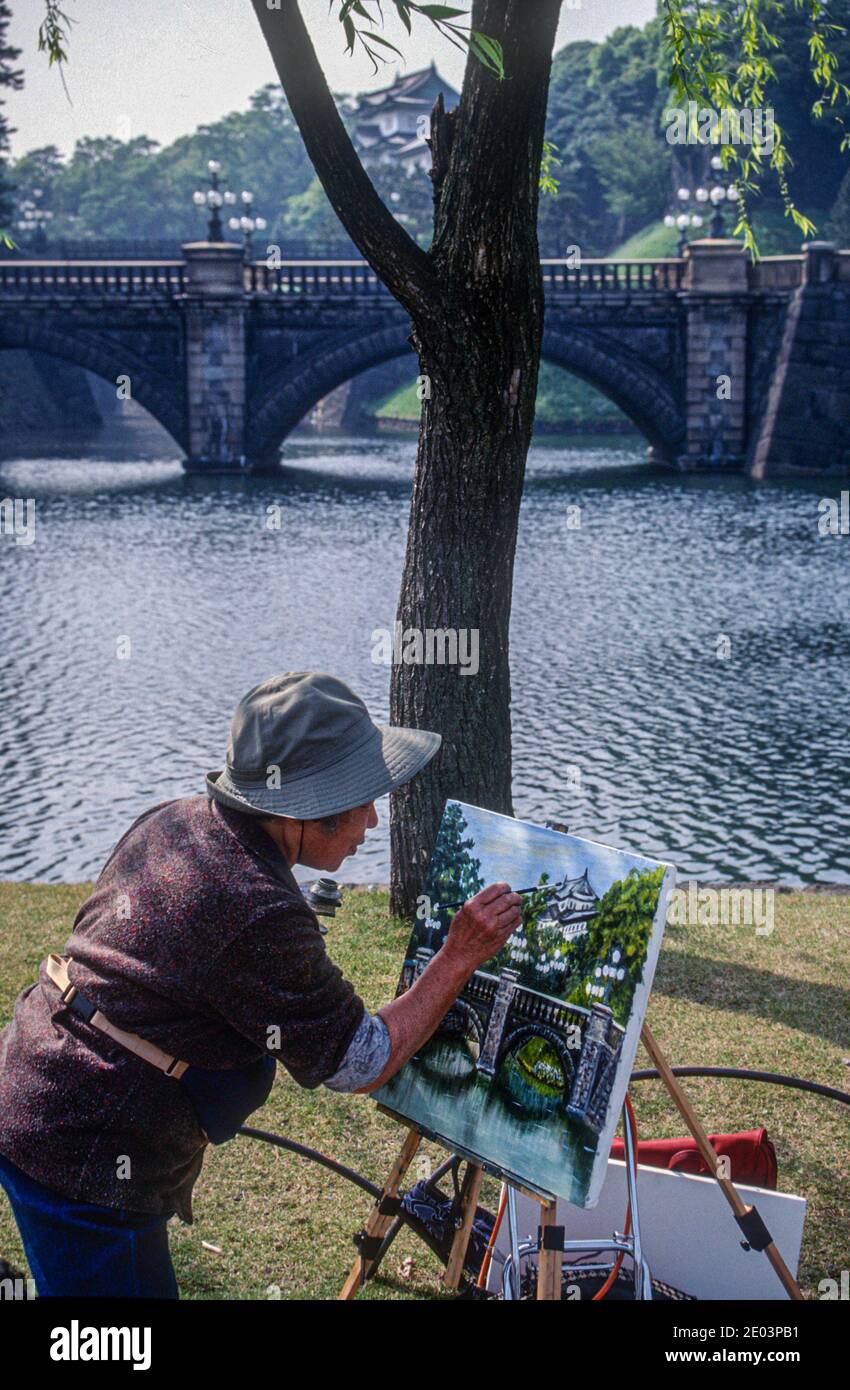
point(304, 745)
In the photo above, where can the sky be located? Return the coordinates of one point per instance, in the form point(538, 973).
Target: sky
point(517, 852)
point(162, 67)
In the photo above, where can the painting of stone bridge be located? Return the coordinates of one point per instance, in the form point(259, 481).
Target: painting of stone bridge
point(529, 1067)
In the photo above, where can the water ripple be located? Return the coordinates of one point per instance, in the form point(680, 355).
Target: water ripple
point(681, 658)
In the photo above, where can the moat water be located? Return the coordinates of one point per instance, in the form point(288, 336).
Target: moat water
point(681, 658)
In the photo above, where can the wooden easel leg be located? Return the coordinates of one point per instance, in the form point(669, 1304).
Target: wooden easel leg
point(469, 1191)
point(381, 1216)
point(743, 1213)
point(551, 1255)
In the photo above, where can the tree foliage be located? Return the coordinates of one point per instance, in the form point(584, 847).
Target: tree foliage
point(115, 188)
point(623, 923)
point(11, 78)
point(725, 54)
point(606, 99)
point(355, 15)
point(455, 873)
point(619, 173)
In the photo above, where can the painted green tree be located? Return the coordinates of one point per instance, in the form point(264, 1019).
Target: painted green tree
point(541, 955)
point(520, 951)
point(622, 925)
point(454, 876)
point(454, 873)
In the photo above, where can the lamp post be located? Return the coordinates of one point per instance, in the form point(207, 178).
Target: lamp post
point(606, 976)
point(248, 223)
point(685, 217)
point(213, 198)
point(720, 193)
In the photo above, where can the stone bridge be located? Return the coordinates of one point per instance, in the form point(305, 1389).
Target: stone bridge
point(720, 363)
point(500, 1016)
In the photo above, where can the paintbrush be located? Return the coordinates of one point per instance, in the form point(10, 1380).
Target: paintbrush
point(460, 902)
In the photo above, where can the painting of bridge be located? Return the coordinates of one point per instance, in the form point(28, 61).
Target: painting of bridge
point(529, 1068)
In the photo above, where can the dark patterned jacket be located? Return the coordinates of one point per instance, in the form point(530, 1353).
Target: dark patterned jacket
point(196, 937)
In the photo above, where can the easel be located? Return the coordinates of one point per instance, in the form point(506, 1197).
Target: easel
point(551, 1245)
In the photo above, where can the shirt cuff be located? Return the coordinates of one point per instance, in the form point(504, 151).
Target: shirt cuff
point(367, 1055)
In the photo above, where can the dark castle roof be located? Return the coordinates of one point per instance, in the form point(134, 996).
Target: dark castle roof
point(417, 89)
point(572, 900)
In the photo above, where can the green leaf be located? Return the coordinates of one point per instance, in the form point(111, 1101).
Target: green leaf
point(488, 51)
point(404, 15)
point(378, 38)
point(437, 12)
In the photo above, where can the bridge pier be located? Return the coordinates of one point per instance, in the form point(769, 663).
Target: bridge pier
point(214, 337)
point(505, 990)
point(715, 298)
point(804, 424)
point(597, 1064)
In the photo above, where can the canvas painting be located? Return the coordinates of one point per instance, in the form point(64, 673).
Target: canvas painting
point(529, 1069)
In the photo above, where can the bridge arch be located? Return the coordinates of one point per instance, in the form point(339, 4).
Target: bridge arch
point(104, 357)
point(519, 1036)
point(462, 1021)
point(640, 390)
point(513, 1044)
point(284, 398)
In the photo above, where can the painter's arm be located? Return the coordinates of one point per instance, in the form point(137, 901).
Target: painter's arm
point(478, 931)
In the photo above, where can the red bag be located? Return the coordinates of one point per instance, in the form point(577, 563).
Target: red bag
point(752, 1157)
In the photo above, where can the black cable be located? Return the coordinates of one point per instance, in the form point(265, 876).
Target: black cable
point(774, 1078)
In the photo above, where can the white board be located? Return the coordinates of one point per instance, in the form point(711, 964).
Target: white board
point(689, 1234)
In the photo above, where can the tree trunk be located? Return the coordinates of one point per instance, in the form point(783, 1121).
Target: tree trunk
point(480, 355)
point(476, 302)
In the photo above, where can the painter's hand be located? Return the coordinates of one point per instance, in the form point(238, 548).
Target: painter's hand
point(484, 923)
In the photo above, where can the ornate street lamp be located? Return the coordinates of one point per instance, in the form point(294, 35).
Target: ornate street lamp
point(607, 976)
point(247, 224)
point(686, 218)
point(720, 193)
point(213, 198)
point(32, 217)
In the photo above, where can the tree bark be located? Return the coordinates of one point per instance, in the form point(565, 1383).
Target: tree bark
point(476, 303)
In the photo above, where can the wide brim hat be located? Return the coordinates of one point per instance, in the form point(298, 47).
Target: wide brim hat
point(303, 745)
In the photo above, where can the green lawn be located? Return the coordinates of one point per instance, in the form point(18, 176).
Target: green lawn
point(563, 401)
point(722, 996)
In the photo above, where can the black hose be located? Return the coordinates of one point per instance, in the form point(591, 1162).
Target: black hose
point(774, 1078)
point(736, 1073)
point(314, 1156)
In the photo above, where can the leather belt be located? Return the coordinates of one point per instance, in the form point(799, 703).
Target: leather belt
point(57, 969)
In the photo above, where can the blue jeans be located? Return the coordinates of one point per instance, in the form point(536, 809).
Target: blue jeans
point(79, 1250)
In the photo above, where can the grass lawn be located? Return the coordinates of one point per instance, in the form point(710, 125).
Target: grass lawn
point(562, 400)
point(722, 996)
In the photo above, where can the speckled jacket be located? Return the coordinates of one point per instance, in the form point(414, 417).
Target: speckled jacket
point(196, 937)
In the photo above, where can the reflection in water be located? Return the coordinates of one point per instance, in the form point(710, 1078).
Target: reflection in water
point(630, 723)
point(539, 1087)
point(491, 1123)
